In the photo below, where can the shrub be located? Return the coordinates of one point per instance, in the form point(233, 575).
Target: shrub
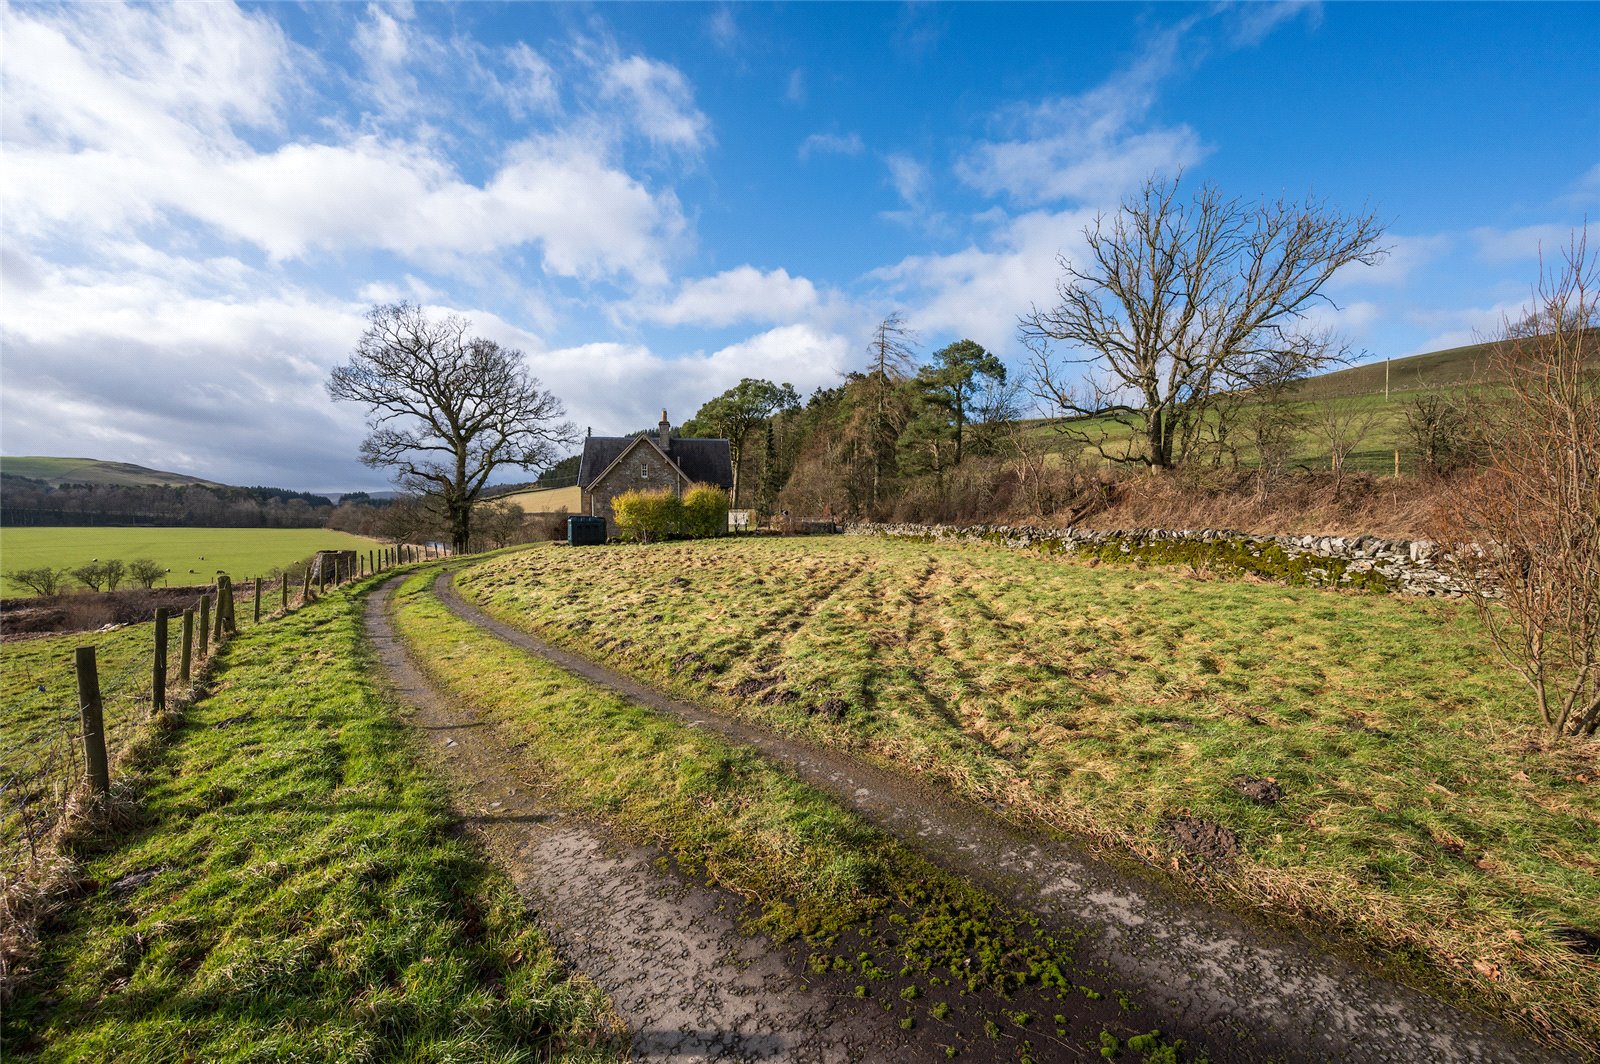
point(91, 575)
point(44, 580)
point(647, 516)
point(145, 572)
point(705, 512)
point(112, 572)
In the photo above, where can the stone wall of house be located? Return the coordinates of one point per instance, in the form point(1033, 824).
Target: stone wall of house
point(1367, 562)
point(640, 470)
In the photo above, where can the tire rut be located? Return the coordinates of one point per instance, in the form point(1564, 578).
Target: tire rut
point(687, 982)
point(1243, 991)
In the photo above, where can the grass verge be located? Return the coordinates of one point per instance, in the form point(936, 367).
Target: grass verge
point(1371, 768)
point(290, 885)
point(857, 901)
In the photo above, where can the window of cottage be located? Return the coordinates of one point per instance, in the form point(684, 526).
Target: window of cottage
point(644, 470)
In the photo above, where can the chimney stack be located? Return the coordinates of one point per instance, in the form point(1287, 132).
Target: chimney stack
point(665, 430)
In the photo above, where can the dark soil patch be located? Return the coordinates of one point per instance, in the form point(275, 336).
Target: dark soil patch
point(1257, 789)
point(1203, 840)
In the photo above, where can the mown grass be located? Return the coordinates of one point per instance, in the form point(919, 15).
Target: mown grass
point(194, 555)
point(1421, 814)
point(291, 885)
point(810, 869)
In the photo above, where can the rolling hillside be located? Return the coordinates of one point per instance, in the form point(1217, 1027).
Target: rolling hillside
point(58, 471)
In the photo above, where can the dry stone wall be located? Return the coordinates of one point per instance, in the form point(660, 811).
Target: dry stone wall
point(1369, 563)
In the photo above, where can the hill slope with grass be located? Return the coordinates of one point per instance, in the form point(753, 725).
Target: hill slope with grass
point(58, 471)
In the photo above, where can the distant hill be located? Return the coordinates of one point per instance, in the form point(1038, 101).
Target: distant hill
point(1437, 369)
point(58, 471)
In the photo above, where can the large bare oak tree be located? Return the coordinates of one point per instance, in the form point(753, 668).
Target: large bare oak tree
point(1177, 302)
point(446, 409)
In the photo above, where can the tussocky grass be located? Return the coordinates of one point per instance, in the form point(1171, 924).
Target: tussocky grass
point(812, 872)
point(291, 885)
point(1423, 822)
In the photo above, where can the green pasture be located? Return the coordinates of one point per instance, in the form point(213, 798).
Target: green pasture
point(194, 555)
point(91, 471)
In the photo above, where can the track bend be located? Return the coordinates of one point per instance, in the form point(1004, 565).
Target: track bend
point(1244, 991)
point(686, 981)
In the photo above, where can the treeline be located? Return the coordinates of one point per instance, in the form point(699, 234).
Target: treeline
point(25, 501)
point(900, 437)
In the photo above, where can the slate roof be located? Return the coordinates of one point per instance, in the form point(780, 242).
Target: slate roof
point(703, 461)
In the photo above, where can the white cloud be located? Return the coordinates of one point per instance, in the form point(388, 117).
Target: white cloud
point(1523, 244)
point(660, 99)
point(615, 387)
point(741, 294)
point(723, 28)
point(1254, 22)
point(1090, 147)
point(532, 88)
point(909, 179)
point(795, 89)
point(129, 121)
point(979, 292)
point(831, 144)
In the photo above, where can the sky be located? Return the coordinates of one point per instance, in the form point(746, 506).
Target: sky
point(201, 201)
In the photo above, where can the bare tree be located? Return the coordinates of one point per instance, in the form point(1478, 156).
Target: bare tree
point(145, 572)
point(1342, 425)
point(1534, 511)
point(45, 581)
point(1437, 423)
point(446, 410)
point(1178, 302)
point(890, 362)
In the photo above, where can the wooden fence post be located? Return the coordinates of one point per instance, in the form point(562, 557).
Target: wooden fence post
point(205, 623)
point(230, 620)
point(94, 726)
point(188, 646)
point(258, 602)
point(158, 668)
point(216, 613)
point(305, 586)
point(372, 563)
point(283, 591)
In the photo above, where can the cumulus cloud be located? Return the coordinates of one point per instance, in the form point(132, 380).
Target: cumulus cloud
point(980, 291)
point(617, 387)
point(114, 124)
point(741, 294)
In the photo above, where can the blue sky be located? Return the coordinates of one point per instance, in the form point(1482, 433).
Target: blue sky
point(652, 201)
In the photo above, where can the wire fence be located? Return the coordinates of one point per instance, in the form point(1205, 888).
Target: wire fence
point(51, 737)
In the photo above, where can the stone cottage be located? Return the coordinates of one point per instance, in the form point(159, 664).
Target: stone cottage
point(612, 465)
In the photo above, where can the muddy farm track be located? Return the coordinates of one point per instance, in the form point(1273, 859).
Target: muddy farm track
point(689, 985)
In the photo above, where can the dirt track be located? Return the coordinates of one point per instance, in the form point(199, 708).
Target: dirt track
point(1242, 991)
point(689, 985)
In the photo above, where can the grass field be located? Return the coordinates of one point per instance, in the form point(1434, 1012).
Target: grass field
point(39, 723)
point(194, 555)
point(864, 904)
point(1420, 814)
point(91, 471)
point(299, 892)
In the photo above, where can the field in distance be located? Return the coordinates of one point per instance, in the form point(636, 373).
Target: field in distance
point(59, 471)
point(194, 555)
